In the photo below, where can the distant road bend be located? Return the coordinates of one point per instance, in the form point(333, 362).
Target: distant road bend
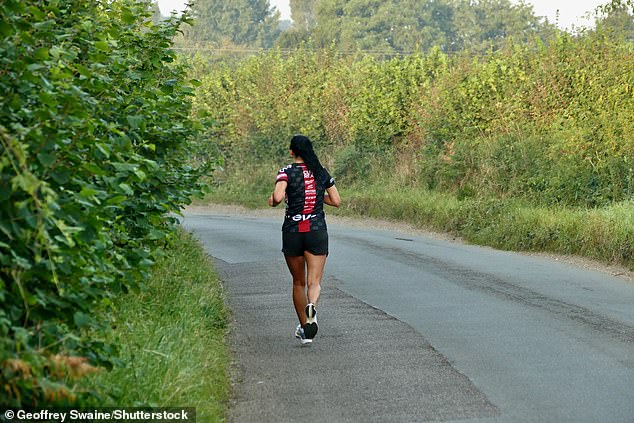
point(417, 329)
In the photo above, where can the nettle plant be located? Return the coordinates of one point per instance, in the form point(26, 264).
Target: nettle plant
point(95, 131)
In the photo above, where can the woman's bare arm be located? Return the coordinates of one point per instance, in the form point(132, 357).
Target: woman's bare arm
point(279, 193)
point(331, 197)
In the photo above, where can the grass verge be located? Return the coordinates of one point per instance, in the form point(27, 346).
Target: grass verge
point(171, 338)
point(605, 234)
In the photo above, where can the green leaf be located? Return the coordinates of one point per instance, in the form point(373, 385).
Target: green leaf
point(104, 149)
point(118, 199)
point(87, 192)
point(124, 167)
point(156, 234)
point(102, 46)
point(61, 175)
point(140, 174)
point(135, 121)
point(26, 181)
point(35, 66)
point(21, 261)
point(93, 168)
point(41, 53)
point(37, 13)
point(6, 28)
point(128, 17)
point(82, 320)
point(46, 159)
point(126, 188)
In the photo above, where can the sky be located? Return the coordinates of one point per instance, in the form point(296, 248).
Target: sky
point(571, 12)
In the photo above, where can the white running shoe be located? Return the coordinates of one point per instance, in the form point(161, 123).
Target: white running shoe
point(310, 328)
point(299, 334)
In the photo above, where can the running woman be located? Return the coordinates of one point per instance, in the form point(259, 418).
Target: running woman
point(306, 186)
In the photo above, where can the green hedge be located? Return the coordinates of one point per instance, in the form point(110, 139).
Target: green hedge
point(549, 123)
point(94, 130)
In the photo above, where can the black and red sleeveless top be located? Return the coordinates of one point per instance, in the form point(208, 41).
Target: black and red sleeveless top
point(304, 198)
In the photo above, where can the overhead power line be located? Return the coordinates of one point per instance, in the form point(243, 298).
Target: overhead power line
point(290, 51)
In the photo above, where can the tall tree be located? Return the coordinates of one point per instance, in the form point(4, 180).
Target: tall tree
point(304, 14)
point(488, 24)
point(406, 25)
point(617, 19)
point(330, 21)
point(238, 22)
point(392, 25)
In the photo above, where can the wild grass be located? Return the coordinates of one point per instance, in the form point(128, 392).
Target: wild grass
point(247, 187)
point(171, 338)
point(605, 234)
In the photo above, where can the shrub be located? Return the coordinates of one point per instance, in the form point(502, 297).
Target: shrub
point(93, 141)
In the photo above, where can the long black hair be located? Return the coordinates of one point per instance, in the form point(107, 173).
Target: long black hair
point(302, 146)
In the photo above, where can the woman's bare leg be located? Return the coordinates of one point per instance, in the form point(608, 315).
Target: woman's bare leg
point(297, 267)
point(315, 270)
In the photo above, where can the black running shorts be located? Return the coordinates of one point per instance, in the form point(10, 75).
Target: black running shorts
point(295, 243)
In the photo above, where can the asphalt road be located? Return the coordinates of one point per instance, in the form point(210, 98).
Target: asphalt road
point(418, 329)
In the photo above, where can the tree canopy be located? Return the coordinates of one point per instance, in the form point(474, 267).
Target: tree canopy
point(389, 26)
point(250, 23)
point(407, 25)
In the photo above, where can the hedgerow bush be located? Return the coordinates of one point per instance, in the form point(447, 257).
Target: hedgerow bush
point(94, 142)
point(549, 123)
